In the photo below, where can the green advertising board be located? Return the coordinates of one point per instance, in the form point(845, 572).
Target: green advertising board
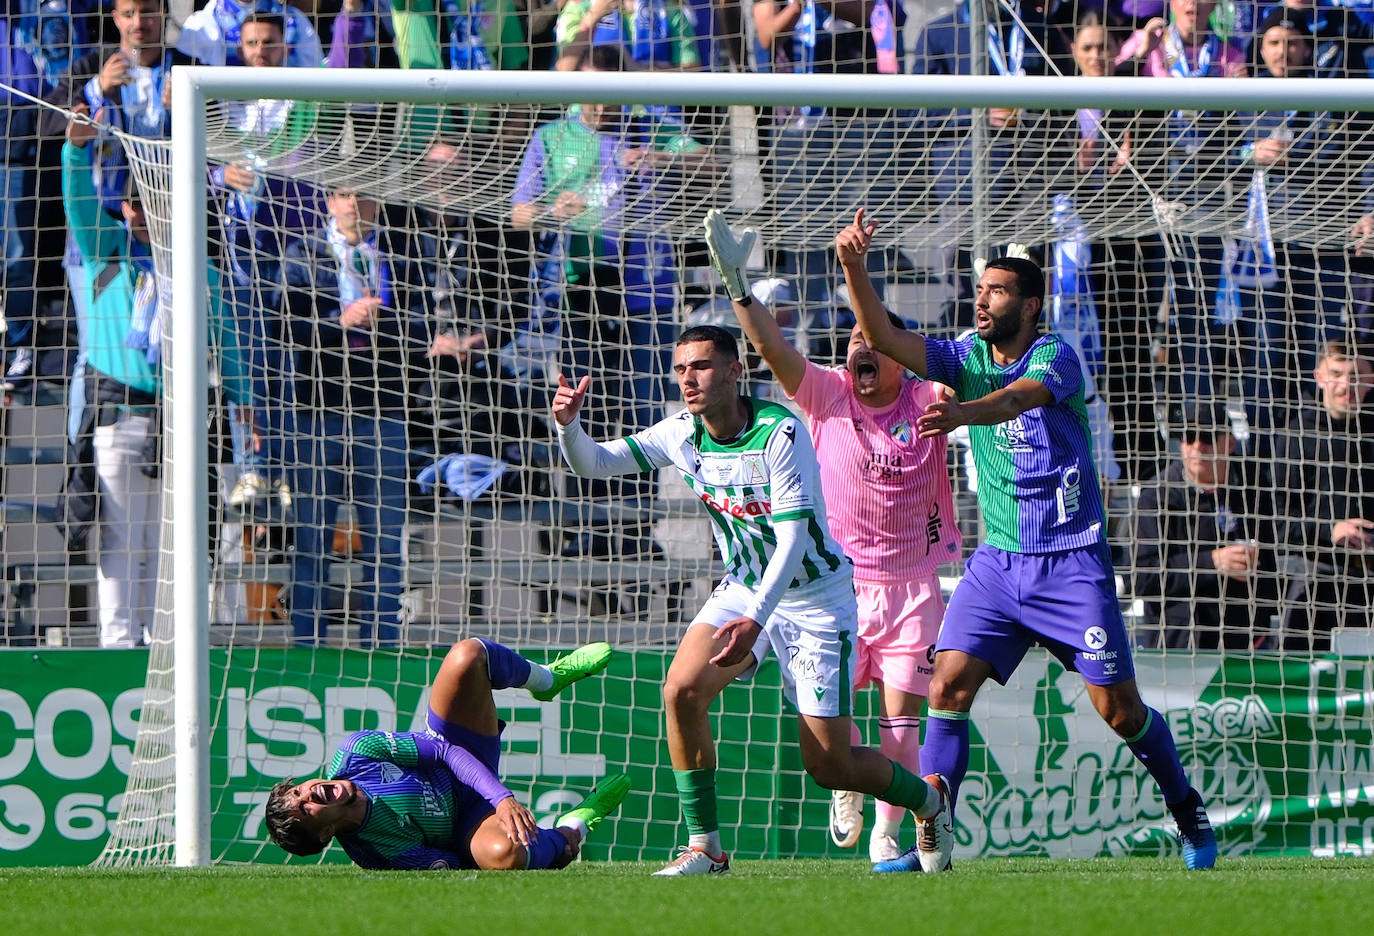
point(1280, 747)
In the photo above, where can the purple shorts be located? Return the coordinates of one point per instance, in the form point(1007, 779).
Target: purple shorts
point(469, 808)
point(1065, 601)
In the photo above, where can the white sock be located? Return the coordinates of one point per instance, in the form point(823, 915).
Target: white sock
point(892, 828)
point(708, 842)
point(932, 804)
point(577, 825)
point(541, 678)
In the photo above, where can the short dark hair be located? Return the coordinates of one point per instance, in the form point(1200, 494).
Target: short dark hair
point(286, 829)
point(1030, 279)
point(896, 321)
point(720, 339)
point(606, 56)
point(267, 19)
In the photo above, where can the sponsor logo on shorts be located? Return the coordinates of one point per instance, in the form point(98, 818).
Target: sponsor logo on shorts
point(930, 655)
point(440, 864)
point(1095, 638)
point(820, 691)
point(1099, 657)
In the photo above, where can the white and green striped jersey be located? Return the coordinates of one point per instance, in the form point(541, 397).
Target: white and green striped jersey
point(767, 473)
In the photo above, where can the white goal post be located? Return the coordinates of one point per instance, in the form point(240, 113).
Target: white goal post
point(193, 90)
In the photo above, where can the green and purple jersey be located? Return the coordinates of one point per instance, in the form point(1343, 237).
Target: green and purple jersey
point(1037, 486)
point(419, 807)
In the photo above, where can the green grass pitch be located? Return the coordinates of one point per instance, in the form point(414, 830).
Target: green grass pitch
point(1100, 897)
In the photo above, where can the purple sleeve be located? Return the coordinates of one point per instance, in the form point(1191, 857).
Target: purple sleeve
point(348, 48)
point(529, 185)
point(1055, 365)
point(944, 362)
point(466, 769)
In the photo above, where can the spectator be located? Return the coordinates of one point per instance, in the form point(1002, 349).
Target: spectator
point(1326, 473)
point(1120, 277)
point(651, 34)
point(354, 348)
point(211, 34)
point(1311, 167)
point(18, 308)
point(1339, 40)
point(1204, 558)
point(944, 47)
point(262, 215)
point(1201, 148)
point(618, 289)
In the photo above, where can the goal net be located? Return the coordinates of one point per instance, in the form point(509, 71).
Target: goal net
point(400, 265)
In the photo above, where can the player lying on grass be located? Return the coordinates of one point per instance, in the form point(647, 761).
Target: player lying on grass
point(432, 799)
point(752, 464)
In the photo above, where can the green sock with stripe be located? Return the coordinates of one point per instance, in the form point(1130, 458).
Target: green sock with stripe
point(906, 789)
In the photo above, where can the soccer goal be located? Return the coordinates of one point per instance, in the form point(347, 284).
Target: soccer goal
point(519, 225)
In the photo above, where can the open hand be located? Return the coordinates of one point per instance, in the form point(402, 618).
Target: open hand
point(940, 418)
point(516, 821)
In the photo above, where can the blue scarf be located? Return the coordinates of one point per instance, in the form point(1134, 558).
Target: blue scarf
point(1249, 260)
point(650, 33)
point(467, 51)
point(1073, 312)
point(362, 270)
point(143, 321)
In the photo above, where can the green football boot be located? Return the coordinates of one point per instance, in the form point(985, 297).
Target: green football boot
point(574, 665)
point(608, 793)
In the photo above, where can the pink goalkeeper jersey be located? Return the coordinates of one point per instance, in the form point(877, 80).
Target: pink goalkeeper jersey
point(886, 491)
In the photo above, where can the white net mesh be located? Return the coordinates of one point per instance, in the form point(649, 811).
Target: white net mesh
point(509, 242)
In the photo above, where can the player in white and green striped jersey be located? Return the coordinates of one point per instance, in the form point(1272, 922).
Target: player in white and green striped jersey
point(751, 462)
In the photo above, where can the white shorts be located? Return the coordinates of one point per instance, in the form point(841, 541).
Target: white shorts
point(898, 624)
point(813, 638)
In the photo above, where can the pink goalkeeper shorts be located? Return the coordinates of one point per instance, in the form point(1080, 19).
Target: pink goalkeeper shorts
point(898, 624)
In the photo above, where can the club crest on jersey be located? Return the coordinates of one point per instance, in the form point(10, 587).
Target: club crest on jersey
point(901, 432)
point(391, 773)
point(753, 469)
point(1010, 436)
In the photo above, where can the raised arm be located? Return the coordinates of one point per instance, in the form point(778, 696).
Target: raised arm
point(904, 347)
point(729, 256)
point(585, 456)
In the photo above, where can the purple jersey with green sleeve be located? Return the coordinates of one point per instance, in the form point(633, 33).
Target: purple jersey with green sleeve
point(1037, 487)
point(417, 809)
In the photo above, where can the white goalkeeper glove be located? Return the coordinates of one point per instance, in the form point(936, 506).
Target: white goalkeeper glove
point(1013, 250)
point(730, 255)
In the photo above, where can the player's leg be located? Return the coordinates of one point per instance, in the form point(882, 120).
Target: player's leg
point(1147, 734)
point(899, 740)
point(1095, 643)
point(493, 850)
point(816, 638)
point(461, 691)
point(691, 685)
point(833, 762)
point(900, 622)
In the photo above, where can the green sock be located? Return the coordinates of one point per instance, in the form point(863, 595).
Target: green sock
point(906, 789)
point(696, 791)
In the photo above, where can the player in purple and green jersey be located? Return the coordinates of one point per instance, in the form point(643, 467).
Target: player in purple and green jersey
point(1045, 573)
point(432, 799)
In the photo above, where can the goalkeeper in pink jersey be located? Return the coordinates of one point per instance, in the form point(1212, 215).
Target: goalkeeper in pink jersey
point(888, 498)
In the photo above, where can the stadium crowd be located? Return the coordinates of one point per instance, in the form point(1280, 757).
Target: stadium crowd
point(1244, 422)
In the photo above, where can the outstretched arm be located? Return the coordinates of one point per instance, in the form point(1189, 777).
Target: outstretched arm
point(997, 407)
point(729, 256)
point(516, 820)
point(904, 347)
point(586, 457)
